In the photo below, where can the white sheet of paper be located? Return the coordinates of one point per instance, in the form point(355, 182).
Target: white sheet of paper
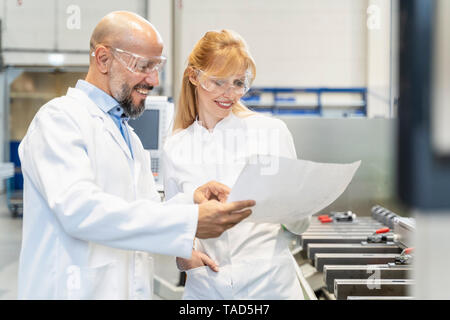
point(286, 190)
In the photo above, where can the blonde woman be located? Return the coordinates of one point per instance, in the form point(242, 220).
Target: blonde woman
point(213, 135)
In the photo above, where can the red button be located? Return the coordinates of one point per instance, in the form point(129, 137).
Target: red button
point(326, 220)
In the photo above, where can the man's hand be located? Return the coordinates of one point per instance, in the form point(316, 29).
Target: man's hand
point(212, 190)
point(215, 217)
point(198, 259)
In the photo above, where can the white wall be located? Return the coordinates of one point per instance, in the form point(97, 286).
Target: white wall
point(30, 25)
point(379, 63)
point(300, 43)
point(160, 15)
point(58, 25)
point(294, 42)
point(33, 29)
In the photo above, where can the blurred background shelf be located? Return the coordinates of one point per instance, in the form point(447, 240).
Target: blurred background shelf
point(320, 102)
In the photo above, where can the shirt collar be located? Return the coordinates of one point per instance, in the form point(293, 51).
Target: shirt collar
point(103, 100)
point(222, 123)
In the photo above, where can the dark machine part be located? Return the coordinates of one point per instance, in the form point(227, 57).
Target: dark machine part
point(405, 258)
point(343, 288)
point(314, 248)
point(380, 236)
point(377, 238)
point(383, 271)
point(322, 259)
point(306, 240)
point(384, 216)
point(363, 249)
point(423, 178)
point(336, 218)
point(347, 216)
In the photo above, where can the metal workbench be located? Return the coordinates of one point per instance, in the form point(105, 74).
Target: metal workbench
point(345, 256)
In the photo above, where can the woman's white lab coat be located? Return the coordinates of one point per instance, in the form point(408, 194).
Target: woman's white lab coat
point(88, 203)
point(254, 259)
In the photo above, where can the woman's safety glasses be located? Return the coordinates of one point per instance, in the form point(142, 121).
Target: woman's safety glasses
point(237, 85)
point(136, 63)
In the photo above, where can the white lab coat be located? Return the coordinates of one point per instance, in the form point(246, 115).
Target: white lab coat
point(88, 204)
point(254, 259)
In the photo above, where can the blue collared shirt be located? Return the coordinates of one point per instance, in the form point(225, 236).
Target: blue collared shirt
point(108, 105)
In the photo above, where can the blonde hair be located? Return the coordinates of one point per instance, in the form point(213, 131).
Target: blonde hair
point(221, 54)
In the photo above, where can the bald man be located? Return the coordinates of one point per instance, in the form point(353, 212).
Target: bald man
point(92, 214)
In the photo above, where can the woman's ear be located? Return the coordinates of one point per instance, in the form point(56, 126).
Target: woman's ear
point(193, 76)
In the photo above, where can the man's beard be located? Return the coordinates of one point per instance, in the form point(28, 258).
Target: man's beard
point(130, 109)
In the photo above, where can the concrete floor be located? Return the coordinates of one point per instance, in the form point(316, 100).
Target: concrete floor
point(10, 241)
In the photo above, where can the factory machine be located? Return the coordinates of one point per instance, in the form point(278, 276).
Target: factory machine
point(346, 257)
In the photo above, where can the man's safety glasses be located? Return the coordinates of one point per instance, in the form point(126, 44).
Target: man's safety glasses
point(238, 85)
point(136, 63)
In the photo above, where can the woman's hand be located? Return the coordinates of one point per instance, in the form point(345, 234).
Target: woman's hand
point(198, 259)
point(212, 190)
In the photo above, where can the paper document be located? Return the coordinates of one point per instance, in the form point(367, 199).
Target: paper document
point(292, 189)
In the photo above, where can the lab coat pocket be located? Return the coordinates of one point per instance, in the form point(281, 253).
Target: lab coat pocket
point(200, 284)
point(281, 281)
point(270, 279)
point(85, 283)
point(143, 278)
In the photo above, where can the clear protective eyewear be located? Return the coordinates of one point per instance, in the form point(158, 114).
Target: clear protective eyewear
point(238, 85)
point(136, 63)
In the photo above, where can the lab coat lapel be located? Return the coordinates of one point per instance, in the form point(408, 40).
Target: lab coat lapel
point(108, 123)
point(115, 132)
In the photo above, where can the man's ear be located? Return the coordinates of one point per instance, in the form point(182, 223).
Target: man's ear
point(102, 58)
